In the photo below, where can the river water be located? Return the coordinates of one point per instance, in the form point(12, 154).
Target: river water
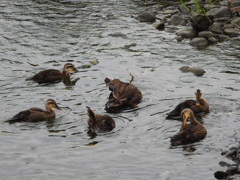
point(42, 34)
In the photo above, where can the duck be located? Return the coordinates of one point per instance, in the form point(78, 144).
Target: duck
point(123, 95)
point(36, 114)
point(99, 123)
point(198, 106)
point(53, 75)
point(189, 133)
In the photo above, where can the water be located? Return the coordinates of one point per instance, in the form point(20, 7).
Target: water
point(42, 34)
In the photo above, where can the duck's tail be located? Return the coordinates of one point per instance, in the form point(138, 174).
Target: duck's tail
point(91, 114)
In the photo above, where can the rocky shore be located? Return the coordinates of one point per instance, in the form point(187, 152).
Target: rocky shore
point(219, 21)
point(231, 169)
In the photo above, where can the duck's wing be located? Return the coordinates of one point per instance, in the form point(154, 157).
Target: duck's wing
point(21, 116)
point(105, 123)
point(47, 76)
point(178, 109)
point(189, 134)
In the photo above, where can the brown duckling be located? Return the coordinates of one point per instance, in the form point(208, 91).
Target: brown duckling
point(36, 114)
point(200, 105)
point(53, 75)
point(123, 95)
point(99, 123)
point(189, 133)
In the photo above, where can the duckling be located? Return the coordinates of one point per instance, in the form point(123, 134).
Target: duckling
point(189, 133)
point(52, 75)
point(36, 114)
point(99, 123)
point(200, 105)
point(123, 95)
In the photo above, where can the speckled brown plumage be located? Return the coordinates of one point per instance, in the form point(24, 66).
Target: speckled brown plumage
point(36, 114)
point(123, 95)
point(200, 105)
point(100, 123)
point(53, 75)
point(189, 133)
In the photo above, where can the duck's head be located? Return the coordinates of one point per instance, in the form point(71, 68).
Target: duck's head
point(108, 82)
point(186, 114)
point(50, 103)
point(198, 95)
point(69, 67)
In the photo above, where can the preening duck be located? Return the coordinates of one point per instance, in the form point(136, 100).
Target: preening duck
point(189, 133)
point(99, 123)
point(53, 75)
point(200, 105)
point(123, 95)
point(36, 114)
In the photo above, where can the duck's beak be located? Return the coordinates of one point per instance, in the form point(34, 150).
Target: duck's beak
point(75, 70)
point(198, 103)
point(184, 121)
point(57, 107)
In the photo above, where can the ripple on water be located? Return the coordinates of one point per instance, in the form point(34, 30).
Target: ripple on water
point(37, 35)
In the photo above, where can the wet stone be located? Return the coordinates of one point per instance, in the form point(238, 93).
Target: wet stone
point(175, 19)
point(160, 26)
point(236, 21)
point(195, 70)
point(223, 11)
point(223, 37)
point(216, 28)
point(179, 38)
point(220, 175)
point(146, 17)
point(212, 39)
point(232, 170)
point(201, 22)
point(187, 33)
point(205, 34)
point(232, 32)
point(199, 42)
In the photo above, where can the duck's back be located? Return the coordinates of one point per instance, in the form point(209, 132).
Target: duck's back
point(178, 109)
point(188, 134)
point(32, 115)
point(104, 123)
point(47, 76)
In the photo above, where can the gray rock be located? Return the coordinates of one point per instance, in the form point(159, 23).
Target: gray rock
point(179, 38)
point(199, 42)
point(187, 33)
point(222, 19)
point(175, 19)
point(231, 170)
point(232, 32)
point(212, 39)
point(222, 37)
point(212, 11)
point(216, 28)
point(235, 3)
point(146, 17)
point(236, 20)
point(195, 70)
point(223, 11)
point(205, 34)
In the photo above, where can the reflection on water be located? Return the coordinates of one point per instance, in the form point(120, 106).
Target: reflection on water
point(39, 34)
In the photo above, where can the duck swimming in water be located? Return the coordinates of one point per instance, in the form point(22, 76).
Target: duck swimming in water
point(189, 133)
point(36, 114)
point(200, 105)
point(123, 95)
point(99, 123)
point(53, 75)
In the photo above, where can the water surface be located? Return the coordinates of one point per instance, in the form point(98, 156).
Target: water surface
point(42, 34)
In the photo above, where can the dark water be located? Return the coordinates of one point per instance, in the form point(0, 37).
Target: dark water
point(41, 34)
